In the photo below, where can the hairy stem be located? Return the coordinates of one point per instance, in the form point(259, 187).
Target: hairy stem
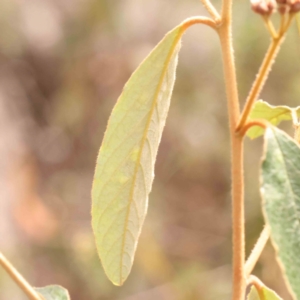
point(282, 23)
point(211, 9)
point(260, 80)
point(263, 73)
point(224, 30)
point(18, 279)
point(237, 169)
point(257, 250)
point(270, 26)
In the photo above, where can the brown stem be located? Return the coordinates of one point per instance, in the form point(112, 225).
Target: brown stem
point(18, 279)
point(226, 15)
point(282, 23)
point(263, 73)
point(288, 22)
point(270, 26)
point(237, 169)
point(211, 9)
point(224, 30)
point(260, 79)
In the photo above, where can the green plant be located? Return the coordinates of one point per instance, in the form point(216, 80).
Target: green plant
point(125, 166)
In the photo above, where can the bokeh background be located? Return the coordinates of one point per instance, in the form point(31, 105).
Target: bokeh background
point(63, 64)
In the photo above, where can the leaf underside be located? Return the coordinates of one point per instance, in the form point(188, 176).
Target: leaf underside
point(264, 294)
point(273, 114)
point(280, 188)
point(53, 292)
point(125, 164)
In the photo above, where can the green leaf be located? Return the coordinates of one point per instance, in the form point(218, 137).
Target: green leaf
point(125, 165)
point(270, 113)
point(280, 188)
point(263, 294)
point(53, 292)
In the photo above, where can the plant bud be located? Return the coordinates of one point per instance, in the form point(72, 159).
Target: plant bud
point(263, 7)
point(284, 8)
point(295, 6)
point(282, 2)
point(271, 6)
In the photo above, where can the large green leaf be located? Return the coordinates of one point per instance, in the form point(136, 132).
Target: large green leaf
point(263, 294)
point(53, 292)
point(125, 165)
point(265, 111)
point(280, 188)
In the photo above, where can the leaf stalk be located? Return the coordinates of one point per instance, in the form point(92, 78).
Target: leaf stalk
point(198, 20)
point(211, 10)
point(258, 122)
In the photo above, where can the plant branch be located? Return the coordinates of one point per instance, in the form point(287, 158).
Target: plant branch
point(260, 80)
point(257, 250)
point(263, 74)
point(289, 21)
point(237, 169)
point(211, 9)
point(282, 23)
point(226, 14)
point(19, 279)
point(270, 26)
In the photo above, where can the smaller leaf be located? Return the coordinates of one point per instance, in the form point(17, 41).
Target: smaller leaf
point(263, 293)
point(53, 292)
point(273, 114)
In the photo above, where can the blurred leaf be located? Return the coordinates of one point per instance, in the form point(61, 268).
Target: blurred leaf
point(125, 165)
point(273, 114)
point(281, 193)
point(53, 292)
point(263, 294)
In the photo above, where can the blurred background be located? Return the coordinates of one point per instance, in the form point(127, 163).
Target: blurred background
point(63, 64)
